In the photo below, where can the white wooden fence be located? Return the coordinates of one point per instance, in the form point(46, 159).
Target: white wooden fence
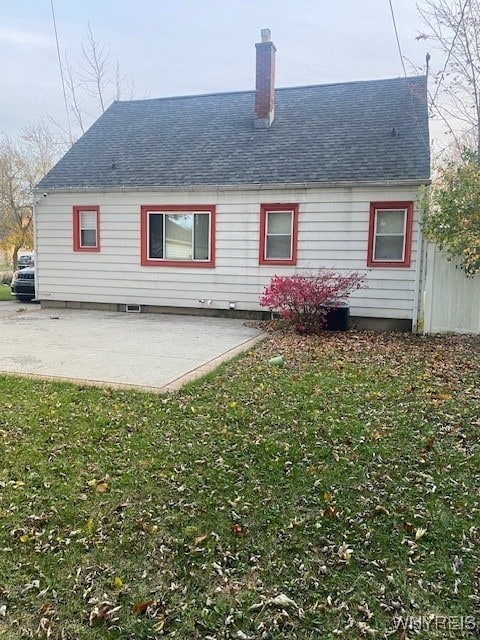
point(451, 300)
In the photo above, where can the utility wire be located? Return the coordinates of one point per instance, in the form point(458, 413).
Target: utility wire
point(425, 144)
point(397, 38)
point(61, 71)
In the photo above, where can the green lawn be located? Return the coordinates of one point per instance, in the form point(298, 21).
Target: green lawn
point(5, 293)
point(331, 497)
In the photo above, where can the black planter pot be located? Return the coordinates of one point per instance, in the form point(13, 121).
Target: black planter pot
point(337, 317)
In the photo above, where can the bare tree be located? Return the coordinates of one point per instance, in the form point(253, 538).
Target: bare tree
point(454, 28)
point(75, 104)
point(93, 69)
point(91, 84)
point(124, 86)
point(22, 164)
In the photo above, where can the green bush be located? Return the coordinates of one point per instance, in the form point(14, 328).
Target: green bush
point(451, 213)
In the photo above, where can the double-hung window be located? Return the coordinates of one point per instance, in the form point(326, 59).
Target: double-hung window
point(390, 234)
point(178, 236)
point(86, 228)
point(278, 234)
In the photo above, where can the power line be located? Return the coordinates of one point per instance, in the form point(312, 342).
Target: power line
point(61, 71)
point(425, 144)
point(397, 38)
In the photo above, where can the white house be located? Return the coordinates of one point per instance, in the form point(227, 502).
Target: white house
point(191, 204)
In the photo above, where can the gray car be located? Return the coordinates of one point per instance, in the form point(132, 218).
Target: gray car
point(27, 260)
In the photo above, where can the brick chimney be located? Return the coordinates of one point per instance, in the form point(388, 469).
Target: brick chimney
point(265, 81)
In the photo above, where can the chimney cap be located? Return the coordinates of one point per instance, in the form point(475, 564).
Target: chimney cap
point(266, 35)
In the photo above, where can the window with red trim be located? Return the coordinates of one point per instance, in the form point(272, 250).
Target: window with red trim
point(278, 234)
point(390, 234)
point(86, 228)
point(178, 236)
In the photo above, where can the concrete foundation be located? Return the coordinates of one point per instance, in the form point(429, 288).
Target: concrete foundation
point(358, 322)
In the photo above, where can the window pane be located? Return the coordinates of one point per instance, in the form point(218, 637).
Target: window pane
point(390, 221)
point(178, 236)
point(388, 248)
point(279, 247)
point(88, 238)
point(88, 220)
point(202, 236)
point(279, 222)
point(155, 235)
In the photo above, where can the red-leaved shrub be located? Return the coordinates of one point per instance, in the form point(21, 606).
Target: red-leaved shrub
point(303, 301)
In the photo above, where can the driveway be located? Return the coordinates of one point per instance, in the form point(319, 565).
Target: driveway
point(150, 351)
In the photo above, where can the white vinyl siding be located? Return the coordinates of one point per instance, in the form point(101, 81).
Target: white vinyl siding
point(333, 232)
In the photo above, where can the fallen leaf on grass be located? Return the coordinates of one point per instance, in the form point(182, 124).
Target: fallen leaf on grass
point(140, 607)
point(102, 612)
point(101, 487)
point(419, 533)
point(237, 530)
point(330, 512)
point(380, 509)
point(344, 553)
point(283, 602)
point(46, 609)
point(200, 539)
point(44, 627)
point(408, 527)
point(443, 396)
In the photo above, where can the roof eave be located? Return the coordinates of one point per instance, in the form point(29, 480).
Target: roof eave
point(274, 186)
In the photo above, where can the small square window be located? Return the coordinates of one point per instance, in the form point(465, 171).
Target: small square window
point(390, 234)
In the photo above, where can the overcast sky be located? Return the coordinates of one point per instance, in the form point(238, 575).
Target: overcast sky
point(184, 47)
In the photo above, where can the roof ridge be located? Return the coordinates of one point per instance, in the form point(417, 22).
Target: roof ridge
point(252, 91)
point(350, 82)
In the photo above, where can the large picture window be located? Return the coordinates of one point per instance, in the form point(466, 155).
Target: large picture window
point(86, 228)
point(278, 234)
point(390, 234)
point(179, 236)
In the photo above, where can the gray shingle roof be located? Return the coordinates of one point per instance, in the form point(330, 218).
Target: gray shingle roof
point(358, 131)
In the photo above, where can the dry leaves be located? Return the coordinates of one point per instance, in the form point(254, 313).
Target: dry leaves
point(325, 498)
